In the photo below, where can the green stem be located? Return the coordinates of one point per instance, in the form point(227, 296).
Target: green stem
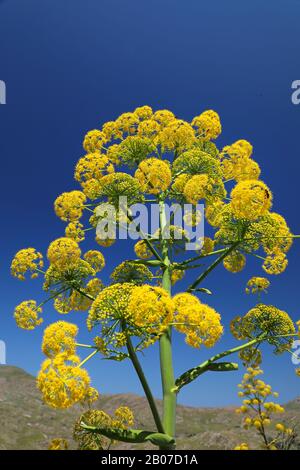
point(193, 373)
point(143, 380)
point(166, 360)
point(195, 258)
point(212, 266)
point(80, 345)
point(88, 357)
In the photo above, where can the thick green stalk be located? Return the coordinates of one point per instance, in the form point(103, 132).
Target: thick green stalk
point(144, 383)
point(166, 360)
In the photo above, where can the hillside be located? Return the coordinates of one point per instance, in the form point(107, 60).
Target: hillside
point(29, 424)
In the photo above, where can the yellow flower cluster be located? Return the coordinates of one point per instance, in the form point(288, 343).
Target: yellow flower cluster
point(92, 166)
point(59, 337)
point(95, 259)
point(207, 245)
point(258, 411)
point(143, 112)
point(214, 212)
point(69, 206)
point(234, 262)
point(63, 252)
point(89, 171)
point(58, 444)
point(129, 271)
point(94, 140)
point(176, 275)
point(250, 199)
point(154, 175)
point(257, 285)
point(134, 149)
point(275, 262)
point(200, 323)
point(75, 231)
point(25, 260)
point(111, 306)
point(27, 315)
point(142, 250)
point(121, 184)
point(143, 311)
point(177, 135)
point(196, 188)
point(242, 446)
point(208, 125)
point(149, 129)
point(236, 162)
point(77, 301)
point(266, 320)
point(127, 122)
point(63, 383)
point(151, 309)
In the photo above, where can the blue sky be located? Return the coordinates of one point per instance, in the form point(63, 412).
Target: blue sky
point(70, 66)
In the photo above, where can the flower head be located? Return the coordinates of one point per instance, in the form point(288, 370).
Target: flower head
point(25, 260)
point(27, 315)
point(257, 284)
point(234, 262)
point(142, 250)
point(208, 125)
point(69, 206)
point(63, 383)
point(94, 140)
point(154, 175)
point(200, 323)
point(59, 337)
point(63, 252)
point(129, 271)
point(250, 199)
point(96, 259)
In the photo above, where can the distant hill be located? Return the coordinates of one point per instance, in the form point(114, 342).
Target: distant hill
point(27, 423)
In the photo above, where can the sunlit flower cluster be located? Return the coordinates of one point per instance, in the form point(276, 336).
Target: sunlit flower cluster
point(234, 262)
point(274, 324)
point(142, 250)
point(151, 309)
point(75, 231)
point(200, 323)
point(27, 315)
point(154, 175)
point(69, 206)
point(208, 125)
point(250, 199)
point(63, 252)
point(26, 260)
point(257, 285)
point(258, 413)
point(63, 382)
point(59, 337)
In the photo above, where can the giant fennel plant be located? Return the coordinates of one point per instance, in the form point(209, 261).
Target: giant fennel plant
point(154, 158)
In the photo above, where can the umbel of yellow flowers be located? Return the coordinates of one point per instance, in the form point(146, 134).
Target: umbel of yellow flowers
point(153, 157)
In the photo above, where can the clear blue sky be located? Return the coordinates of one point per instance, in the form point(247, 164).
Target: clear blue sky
point(71, 65)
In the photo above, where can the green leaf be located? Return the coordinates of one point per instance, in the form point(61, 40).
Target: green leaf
point(131, 435)
point(203, 289)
